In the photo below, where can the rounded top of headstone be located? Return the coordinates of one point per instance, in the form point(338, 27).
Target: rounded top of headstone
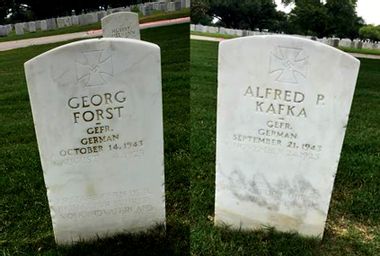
point(286, 41)
point(121, 44)
point(121, 24)
point(121, 14)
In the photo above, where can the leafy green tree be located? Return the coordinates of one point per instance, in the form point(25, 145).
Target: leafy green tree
point(309, 17)
point(342, 18)
point(24, 10)
point(227, 11)
point(18, 12)
point(335, 17)
point(280, 23)
point(245, 13)
point(4, 8)
point(260, 14)
point(370, 32)
point(199, 12)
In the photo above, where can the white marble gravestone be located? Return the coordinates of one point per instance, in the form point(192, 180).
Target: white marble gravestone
point(283, 106)
point(67, 21)
point(97, 111)
point(171, 6)
point(51, 24)
point(3, 30)
point(61, 22)
point(43, 25)
point(74, 20)
point(19, 28)
point(31, 26)
point(121, 24)
point(38, 24)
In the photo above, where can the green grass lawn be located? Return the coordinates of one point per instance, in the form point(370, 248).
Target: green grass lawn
point(363, 51)
point(353, 226)
point(25, 225)
point(77, 28)
point(213, 35)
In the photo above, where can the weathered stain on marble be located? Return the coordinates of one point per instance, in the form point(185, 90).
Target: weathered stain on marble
point(289, 193)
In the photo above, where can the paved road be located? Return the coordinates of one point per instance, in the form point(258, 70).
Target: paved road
point(206, 38)
point(87, 34)
point(366, 56)
point(215, 39)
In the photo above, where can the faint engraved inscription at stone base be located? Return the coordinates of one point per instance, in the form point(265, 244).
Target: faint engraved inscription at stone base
point(115, 203)
point(294, 193)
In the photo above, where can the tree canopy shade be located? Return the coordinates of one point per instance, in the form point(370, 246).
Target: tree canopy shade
point(309, 17)
point(24, 10)
point(199, 11)
point(370, 32)
point(245, 14)
point(343, 21)
point(333, 18)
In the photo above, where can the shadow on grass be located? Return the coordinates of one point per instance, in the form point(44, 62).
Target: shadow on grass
point(172, 240)
point(268, 241)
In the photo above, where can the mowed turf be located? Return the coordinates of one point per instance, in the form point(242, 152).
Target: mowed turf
point(156, 16)
point(25, 225)
point(353, 226)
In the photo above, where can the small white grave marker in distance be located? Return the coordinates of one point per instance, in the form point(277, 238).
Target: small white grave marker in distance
point(121, 24)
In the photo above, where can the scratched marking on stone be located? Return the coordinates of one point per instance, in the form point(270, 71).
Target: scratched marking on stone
point(126, 32)
point(95, 68)
point(288, 64)
point(296, 193)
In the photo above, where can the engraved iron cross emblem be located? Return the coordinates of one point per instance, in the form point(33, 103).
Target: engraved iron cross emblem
point(288, 65)
point(95, 68)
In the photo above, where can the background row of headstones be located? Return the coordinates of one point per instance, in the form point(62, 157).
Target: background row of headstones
point(335, 42)
point(90, 18)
